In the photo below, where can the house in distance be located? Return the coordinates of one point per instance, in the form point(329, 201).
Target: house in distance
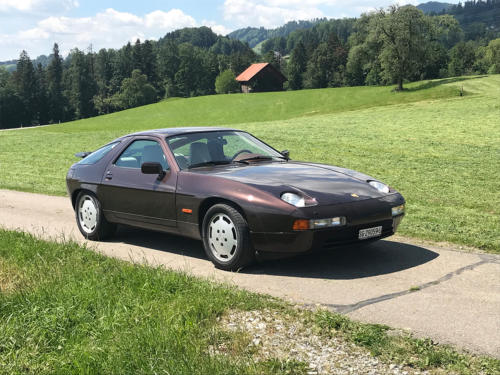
point(260, 78)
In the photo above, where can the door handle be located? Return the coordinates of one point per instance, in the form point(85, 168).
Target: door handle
point(109, 175)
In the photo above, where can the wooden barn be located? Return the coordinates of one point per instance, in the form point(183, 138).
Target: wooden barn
point(261, 77)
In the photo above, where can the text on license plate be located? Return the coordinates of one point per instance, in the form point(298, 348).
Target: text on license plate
point(370, 232)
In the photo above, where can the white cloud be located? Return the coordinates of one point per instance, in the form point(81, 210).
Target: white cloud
point(172, 19)
point(273, 13)
point(270, 13)
point(107, 29)
point(216, 28)
point(32, 6)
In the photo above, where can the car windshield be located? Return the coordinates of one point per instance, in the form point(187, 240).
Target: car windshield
point(219, 147)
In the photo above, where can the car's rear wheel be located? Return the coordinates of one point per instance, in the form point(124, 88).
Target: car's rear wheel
point(226, 238)
point(90, 218)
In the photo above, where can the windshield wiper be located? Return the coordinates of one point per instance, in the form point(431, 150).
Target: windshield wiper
point(205, 163)
point(256, 157)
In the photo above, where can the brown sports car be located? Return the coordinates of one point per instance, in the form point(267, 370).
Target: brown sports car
point(229, 189)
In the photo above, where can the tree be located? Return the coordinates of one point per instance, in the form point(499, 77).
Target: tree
point(318, 68)
point(56, 101)
point(196, 73)
point(493, 56)
point(239, 61)
point(436, 65)
point(275, 59)
point(337, 57)
point(225, 83)
point(326, 66)
point(149, 67)
point(297, 66)
point(448, 30)
point(40, 108)
point(137, 60)
point(80, 85)
point(358, 65)
point(462, 58)
point(136, 91)
point(168, 61)
point(11, 106)
point(405, 33)
point(122, 66)
point(24, 79)
point(363, 64)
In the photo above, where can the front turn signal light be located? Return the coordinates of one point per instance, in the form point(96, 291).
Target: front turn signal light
point(301, 224)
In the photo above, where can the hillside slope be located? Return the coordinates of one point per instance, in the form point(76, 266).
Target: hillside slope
point(233, 109)
point(434, 7)
point(256, 35)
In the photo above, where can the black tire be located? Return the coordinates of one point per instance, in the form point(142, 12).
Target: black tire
point(102, 228)
point(242, 253)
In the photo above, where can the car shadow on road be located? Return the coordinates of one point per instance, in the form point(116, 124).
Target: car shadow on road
point(160, 241)
point(343, 263)
point(353, 262)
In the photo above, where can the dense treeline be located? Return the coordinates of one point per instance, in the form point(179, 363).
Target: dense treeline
point(480, 19)
point(184, 63)
point(384, 47)
point(388, 46)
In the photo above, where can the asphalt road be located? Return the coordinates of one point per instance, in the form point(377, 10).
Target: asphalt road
point(448, 295)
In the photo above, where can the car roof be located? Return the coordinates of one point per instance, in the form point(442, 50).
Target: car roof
point(177, 131)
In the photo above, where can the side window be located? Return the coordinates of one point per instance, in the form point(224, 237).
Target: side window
point(142, 151)
point(96, 156)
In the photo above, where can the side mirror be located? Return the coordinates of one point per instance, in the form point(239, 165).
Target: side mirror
point(153, 168)
point(286, 154)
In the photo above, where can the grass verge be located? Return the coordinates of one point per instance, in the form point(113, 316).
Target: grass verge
point(80, 312)
point(405, 350)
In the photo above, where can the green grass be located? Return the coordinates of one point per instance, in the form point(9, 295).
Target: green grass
point(422, 354)
point(439, 149)
point(80, 312)
point(67, 310)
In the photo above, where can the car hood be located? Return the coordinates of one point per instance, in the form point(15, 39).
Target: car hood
point(327, 184)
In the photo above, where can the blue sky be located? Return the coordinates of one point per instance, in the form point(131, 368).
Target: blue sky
point(34, 25)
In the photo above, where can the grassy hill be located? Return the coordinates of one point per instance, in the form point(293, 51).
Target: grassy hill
point(438, 148)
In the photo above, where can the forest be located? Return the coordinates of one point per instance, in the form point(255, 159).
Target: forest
point(388, 46)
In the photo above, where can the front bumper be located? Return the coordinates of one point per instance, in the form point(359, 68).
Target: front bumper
point(303, 241)
point(360, 215)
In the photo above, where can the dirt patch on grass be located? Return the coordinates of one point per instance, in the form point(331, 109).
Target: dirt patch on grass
point(11, 279)
point(270, 335)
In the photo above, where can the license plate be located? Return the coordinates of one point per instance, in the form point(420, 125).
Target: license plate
point(370, 232)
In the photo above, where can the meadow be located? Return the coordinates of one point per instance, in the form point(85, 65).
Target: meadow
point(67, 310)
point(441, 150)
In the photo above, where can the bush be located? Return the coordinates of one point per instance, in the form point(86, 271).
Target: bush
point(136, 91)
point(226, 83)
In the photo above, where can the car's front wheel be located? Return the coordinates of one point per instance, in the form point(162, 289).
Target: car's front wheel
point(90, 218)
point(226, 238)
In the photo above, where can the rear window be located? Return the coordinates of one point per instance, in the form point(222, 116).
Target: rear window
point(98, 154)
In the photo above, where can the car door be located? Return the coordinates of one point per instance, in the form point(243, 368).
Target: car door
point(132, 197)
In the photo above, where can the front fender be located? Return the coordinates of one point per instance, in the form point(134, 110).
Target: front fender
point(263, 210)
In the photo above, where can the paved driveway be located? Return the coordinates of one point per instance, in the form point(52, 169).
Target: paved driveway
point(447, 295)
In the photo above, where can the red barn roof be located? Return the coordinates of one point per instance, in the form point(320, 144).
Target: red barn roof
point(251, 71)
